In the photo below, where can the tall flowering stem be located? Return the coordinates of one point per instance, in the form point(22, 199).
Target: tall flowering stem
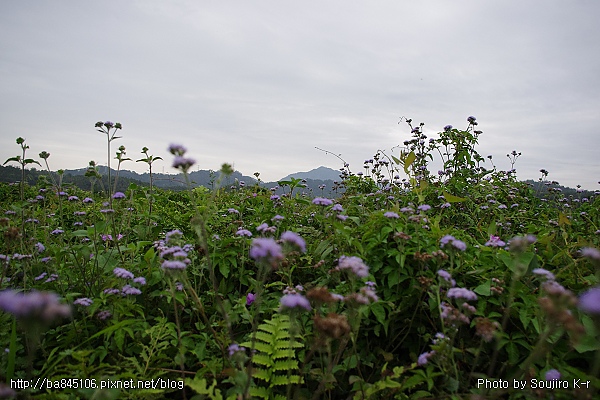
point(120, 157)
point(198, 224)
point(23, 161)
point(110, 130)
point(149, 160)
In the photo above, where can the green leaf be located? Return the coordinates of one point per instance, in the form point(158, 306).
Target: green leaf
point(224, 269)
point(262, 374)
point(453, 199)
point(588, 343)
point(262, 359)
point(149, 256)
point(31, 161)
point(563, 220)
point(282, 380)
point(484, 289)
point(199, 386)
point(408, 160)
point(492, 229)
point(285, 365)
point(525, 317)
point(17, 159)
point(379, 312)
point(259, 391)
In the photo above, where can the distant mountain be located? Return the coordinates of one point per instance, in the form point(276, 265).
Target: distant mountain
point(321, 173)
point(171, 181)
point(318, 182)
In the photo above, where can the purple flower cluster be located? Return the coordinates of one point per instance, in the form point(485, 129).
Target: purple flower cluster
point(109, 238)
point(321, 201)
point(244, 232)
point(554, 288)
point(552, 375)
point(33, 305)
point(495, 242)
point(294, 239)
point(181, 162)
point(234, 348)
point(520, 243)
point(105, 314)
point(544, 273)
point(461, 293)
point(294, 301)
point(424, 357)
point(589, 301)
point(84, 301)
point(127, 289)
point(453, 315)
point(266, 249)
point(174, 256)
point(177, 149)
point(447, 277)
point(130, 290)
point(457, 244)
point(366, 295)
point(355, 264)
point(122, 273)
point(591, 253)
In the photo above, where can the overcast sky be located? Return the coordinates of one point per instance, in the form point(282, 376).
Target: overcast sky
point(260, 83)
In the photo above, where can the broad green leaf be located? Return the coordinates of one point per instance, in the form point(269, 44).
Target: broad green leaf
point(199, 386)
point(484, 289)
point(17, 159)
point(408, 160)
point(149, 256)
point(563, 220)
point(379, 312)
point(450, 198)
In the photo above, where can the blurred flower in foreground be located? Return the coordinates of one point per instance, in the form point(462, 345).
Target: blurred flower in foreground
point(32, 305)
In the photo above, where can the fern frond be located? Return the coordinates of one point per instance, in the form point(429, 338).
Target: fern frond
point(285, 365)
point(283, 380)
point(262, 359)
point(259, 391)
point(283, 353)
point(275, 356)
point(262, 374)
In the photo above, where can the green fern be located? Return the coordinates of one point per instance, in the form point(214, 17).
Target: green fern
point(275, 361)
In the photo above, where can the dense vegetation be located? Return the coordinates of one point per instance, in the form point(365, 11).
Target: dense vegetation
point(413, 284)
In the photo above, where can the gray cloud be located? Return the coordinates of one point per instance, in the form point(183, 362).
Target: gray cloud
point(261, 84)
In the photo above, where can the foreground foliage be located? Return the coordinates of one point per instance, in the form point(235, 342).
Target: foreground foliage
point(441, 285)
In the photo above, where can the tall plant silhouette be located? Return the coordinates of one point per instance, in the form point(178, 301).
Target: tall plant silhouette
point(110, 130)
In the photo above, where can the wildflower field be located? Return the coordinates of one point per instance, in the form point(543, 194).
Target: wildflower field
point(412, 284)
